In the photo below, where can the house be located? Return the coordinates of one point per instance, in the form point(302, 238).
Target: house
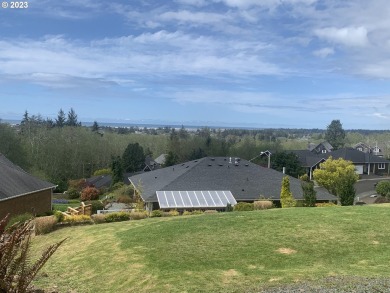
point(160, 160)
point(365, 148)
point(365, 163)
point(212, 180)
point(21, 192)
point(322, 148)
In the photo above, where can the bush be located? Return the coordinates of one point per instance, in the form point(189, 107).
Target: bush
point(210, 212)
point(228, 208)
point(77, 219)
point(187, 213)
point(98, 219)
point(19, 219)
point(73, 193)
point(326, 204)
point(60, 216)
point(117, 186)
point(262, 205)
point(156, 213)
point(89, 193)
point(96, 205)
point(243, 206)
point(77, 184)
point(196, 212)
point(44, 225)
point(382, 199)
point(102, 172)
point(117, 217)
point(138, 215)
point(124, 199)
point(383, 188)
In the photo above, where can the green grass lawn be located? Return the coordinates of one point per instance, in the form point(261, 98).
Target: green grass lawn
point(224, 252)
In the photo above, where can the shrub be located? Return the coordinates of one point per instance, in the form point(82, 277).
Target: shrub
point(228, 208)
point(117, 217)
point(382, 199)
point(210, 212)
point(124, 199)
point(19, 219)
point(77, 219)
point(326, 204)
point(187, 213)
point(73, 193)
point(77, 184)
point(17, 270)
point(286, 197)
point(262, 205)
point(383, 188)
point(196, 212)
point(102, 172)
point(171, 213)
point(117, 186)
point(89, 193)
point(309, 194)
point(156, 213)
point(98, 219)
point(96, 205)
point(60, 216)
point(243, 206)
point(138, 215)
point(44, 225)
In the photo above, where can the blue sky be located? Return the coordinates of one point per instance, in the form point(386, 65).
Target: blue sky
point(254, 63)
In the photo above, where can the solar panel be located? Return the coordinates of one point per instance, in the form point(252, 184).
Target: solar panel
point(195, 199)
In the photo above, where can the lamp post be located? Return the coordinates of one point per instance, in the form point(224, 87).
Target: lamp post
point(268, 154)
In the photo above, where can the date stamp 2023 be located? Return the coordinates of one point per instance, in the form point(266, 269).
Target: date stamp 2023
point(14, 4)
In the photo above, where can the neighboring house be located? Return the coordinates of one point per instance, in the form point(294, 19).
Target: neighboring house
point(216, 177)
point(20, 192)
point(375, 150)
point(365, 163)
point(104, 181)
point(150, 164)
point(322, 148)
point(160, 160)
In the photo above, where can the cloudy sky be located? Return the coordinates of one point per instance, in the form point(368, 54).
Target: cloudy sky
point(254, 63)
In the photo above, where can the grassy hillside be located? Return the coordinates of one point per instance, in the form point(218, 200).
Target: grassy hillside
point(225, 252)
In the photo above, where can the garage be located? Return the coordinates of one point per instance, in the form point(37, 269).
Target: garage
point(359, 169)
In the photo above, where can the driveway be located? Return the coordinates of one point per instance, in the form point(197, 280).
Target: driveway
point(365, 187)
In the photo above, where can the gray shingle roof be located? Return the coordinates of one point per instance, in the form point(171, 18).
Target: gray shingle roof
point(355, 156)
point(14, 181)
point(246, 181)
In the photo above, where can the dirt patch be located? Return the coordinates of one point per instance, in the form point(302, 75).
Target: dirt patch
point(228, 276)
point(284, 250)
point(251, 267)
point(375, 242)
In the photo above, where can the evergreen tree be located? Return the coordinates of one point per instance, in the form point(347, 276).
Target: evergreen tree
point(289, 161)
point(117, 170)
point(309, 194)
point(72, 118)
point(171, 159)
point(25, 119)
point(95, 126)
point(335, 134)
point(133, 158)
point(61, 120)
point(286, 198)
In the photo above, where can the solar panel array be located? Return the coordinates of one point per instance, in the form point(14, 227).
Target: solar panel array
point(194, 199)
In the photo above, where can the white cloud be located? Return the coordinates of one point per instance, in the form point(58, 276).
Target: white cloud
point(324, 52)
point(348, 36)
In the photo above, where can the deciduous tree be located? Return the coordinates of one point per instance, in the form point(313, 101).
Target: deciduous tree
point(338, 177)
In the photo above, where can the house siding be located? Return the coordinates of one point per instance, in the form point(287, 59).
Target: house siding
point(36, 203)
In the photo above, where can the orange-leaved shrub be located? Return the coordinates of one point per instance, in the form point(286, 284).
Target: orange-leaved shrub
point(89, 193)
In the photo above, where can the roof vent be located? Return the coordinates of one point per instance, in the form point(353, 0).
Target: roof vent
point(210, 165)
point(196, 161)
point(220, 165)
point(246, 165)
point(187, 167)
point(182, 164)
point(243, 189)
point(155, 177)
point(224, 159)
point(212, 159)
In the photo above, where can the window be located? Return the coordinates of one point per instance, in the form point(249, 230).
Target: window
point(360, 149)
point(381, 166)
point(324, 151)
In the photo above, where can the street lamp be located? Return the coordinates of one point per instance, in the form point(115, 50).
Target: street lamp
point(266, 153)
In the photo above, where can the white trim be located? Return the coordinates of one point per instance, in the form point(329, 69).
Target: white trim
point(380, 165)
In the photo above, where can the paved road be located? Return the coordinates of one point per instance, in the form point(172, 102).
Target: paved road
point(365, 187)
